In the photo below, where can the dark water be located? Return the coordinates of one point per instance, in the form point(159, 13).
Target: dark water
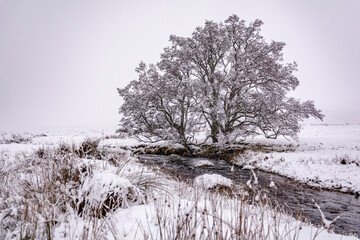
point(296, 196)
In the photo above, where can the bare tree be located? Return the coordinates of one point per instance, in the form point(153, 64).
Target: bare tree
point(225, 79)
point(159, 106)
point(242, 81)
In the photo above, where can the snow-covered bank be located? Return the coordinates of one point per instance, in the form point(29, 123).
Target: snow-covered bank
point(326, 155)
point(147, 204)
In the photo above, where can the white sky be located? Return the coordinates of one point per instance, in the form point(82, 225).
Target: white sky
point(61, 61)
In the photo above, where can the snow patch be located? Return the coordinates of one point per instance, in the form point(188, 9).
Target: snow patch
point(210, 181)
point(203, 163)
point(110, 188)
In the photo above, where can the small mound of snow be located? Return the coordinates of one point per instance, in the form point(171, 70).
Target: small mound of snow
point(107, 191)
point(211, 181)
point(248, 167)
point(272, 185)
point(204, 163)
point(104, 182)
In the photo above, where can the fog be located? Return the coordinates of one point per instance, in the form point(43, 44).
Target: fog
point(61, 61)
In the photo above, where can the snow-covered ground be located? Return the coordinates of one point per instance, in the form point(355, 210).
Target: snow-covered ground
point(325, 155)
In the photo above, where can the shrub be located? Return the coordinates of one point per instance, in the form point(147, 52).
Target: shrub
point(89, 148)
point(105, 192)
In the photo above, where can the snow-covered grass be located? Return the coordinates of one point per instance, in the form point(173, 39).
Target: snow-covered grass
point(43, 191)
point(326, 155)
point(197, 214)
point(56, 188)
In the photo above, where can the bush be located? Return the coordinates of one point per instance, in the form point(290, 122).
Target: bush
point(105, 192)
point(89, 148)
point(16, 138)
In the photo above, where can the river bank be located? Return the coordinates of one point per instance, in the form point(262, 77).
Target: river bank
point(324, 157)
point(296, 197)
point(18, 150)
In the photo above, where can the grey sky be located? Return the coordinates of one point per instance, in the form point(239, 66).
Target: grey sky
point(61, 61)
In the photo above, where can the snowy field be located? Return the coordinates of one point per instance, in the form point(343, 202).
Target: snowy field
point(36, 200)
point(326, 155)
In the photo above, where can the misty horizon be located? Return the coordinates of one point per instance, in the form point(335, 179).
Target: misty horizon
point(62, 62)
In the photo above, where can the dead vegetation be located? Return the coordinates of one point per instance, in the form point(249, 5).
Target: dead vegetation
point(227, 152)
point(72, 185)
point(38, 190)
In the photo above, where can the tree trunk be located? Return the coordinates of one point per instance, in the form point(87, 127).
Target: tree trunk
point(214, 139)
point(214, 132)
point(188, 149)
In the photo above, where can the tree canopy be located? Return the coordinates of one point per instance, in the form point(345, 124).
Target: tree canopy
point(224, 80)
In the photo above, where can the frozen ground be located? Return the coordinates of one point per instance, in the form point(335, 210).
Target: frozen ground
point(326, 155)
point(35, 201)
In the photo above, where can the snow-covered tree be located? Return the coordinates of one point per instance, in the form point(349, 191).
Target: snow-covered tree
point(159, 105)
point(225, 79)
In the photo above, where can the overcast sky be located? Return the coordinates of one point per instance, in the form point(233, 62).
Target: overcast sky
point(61, 61)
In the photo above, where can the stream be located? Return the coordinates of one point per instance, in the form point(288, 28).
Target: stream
point(297, 196)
